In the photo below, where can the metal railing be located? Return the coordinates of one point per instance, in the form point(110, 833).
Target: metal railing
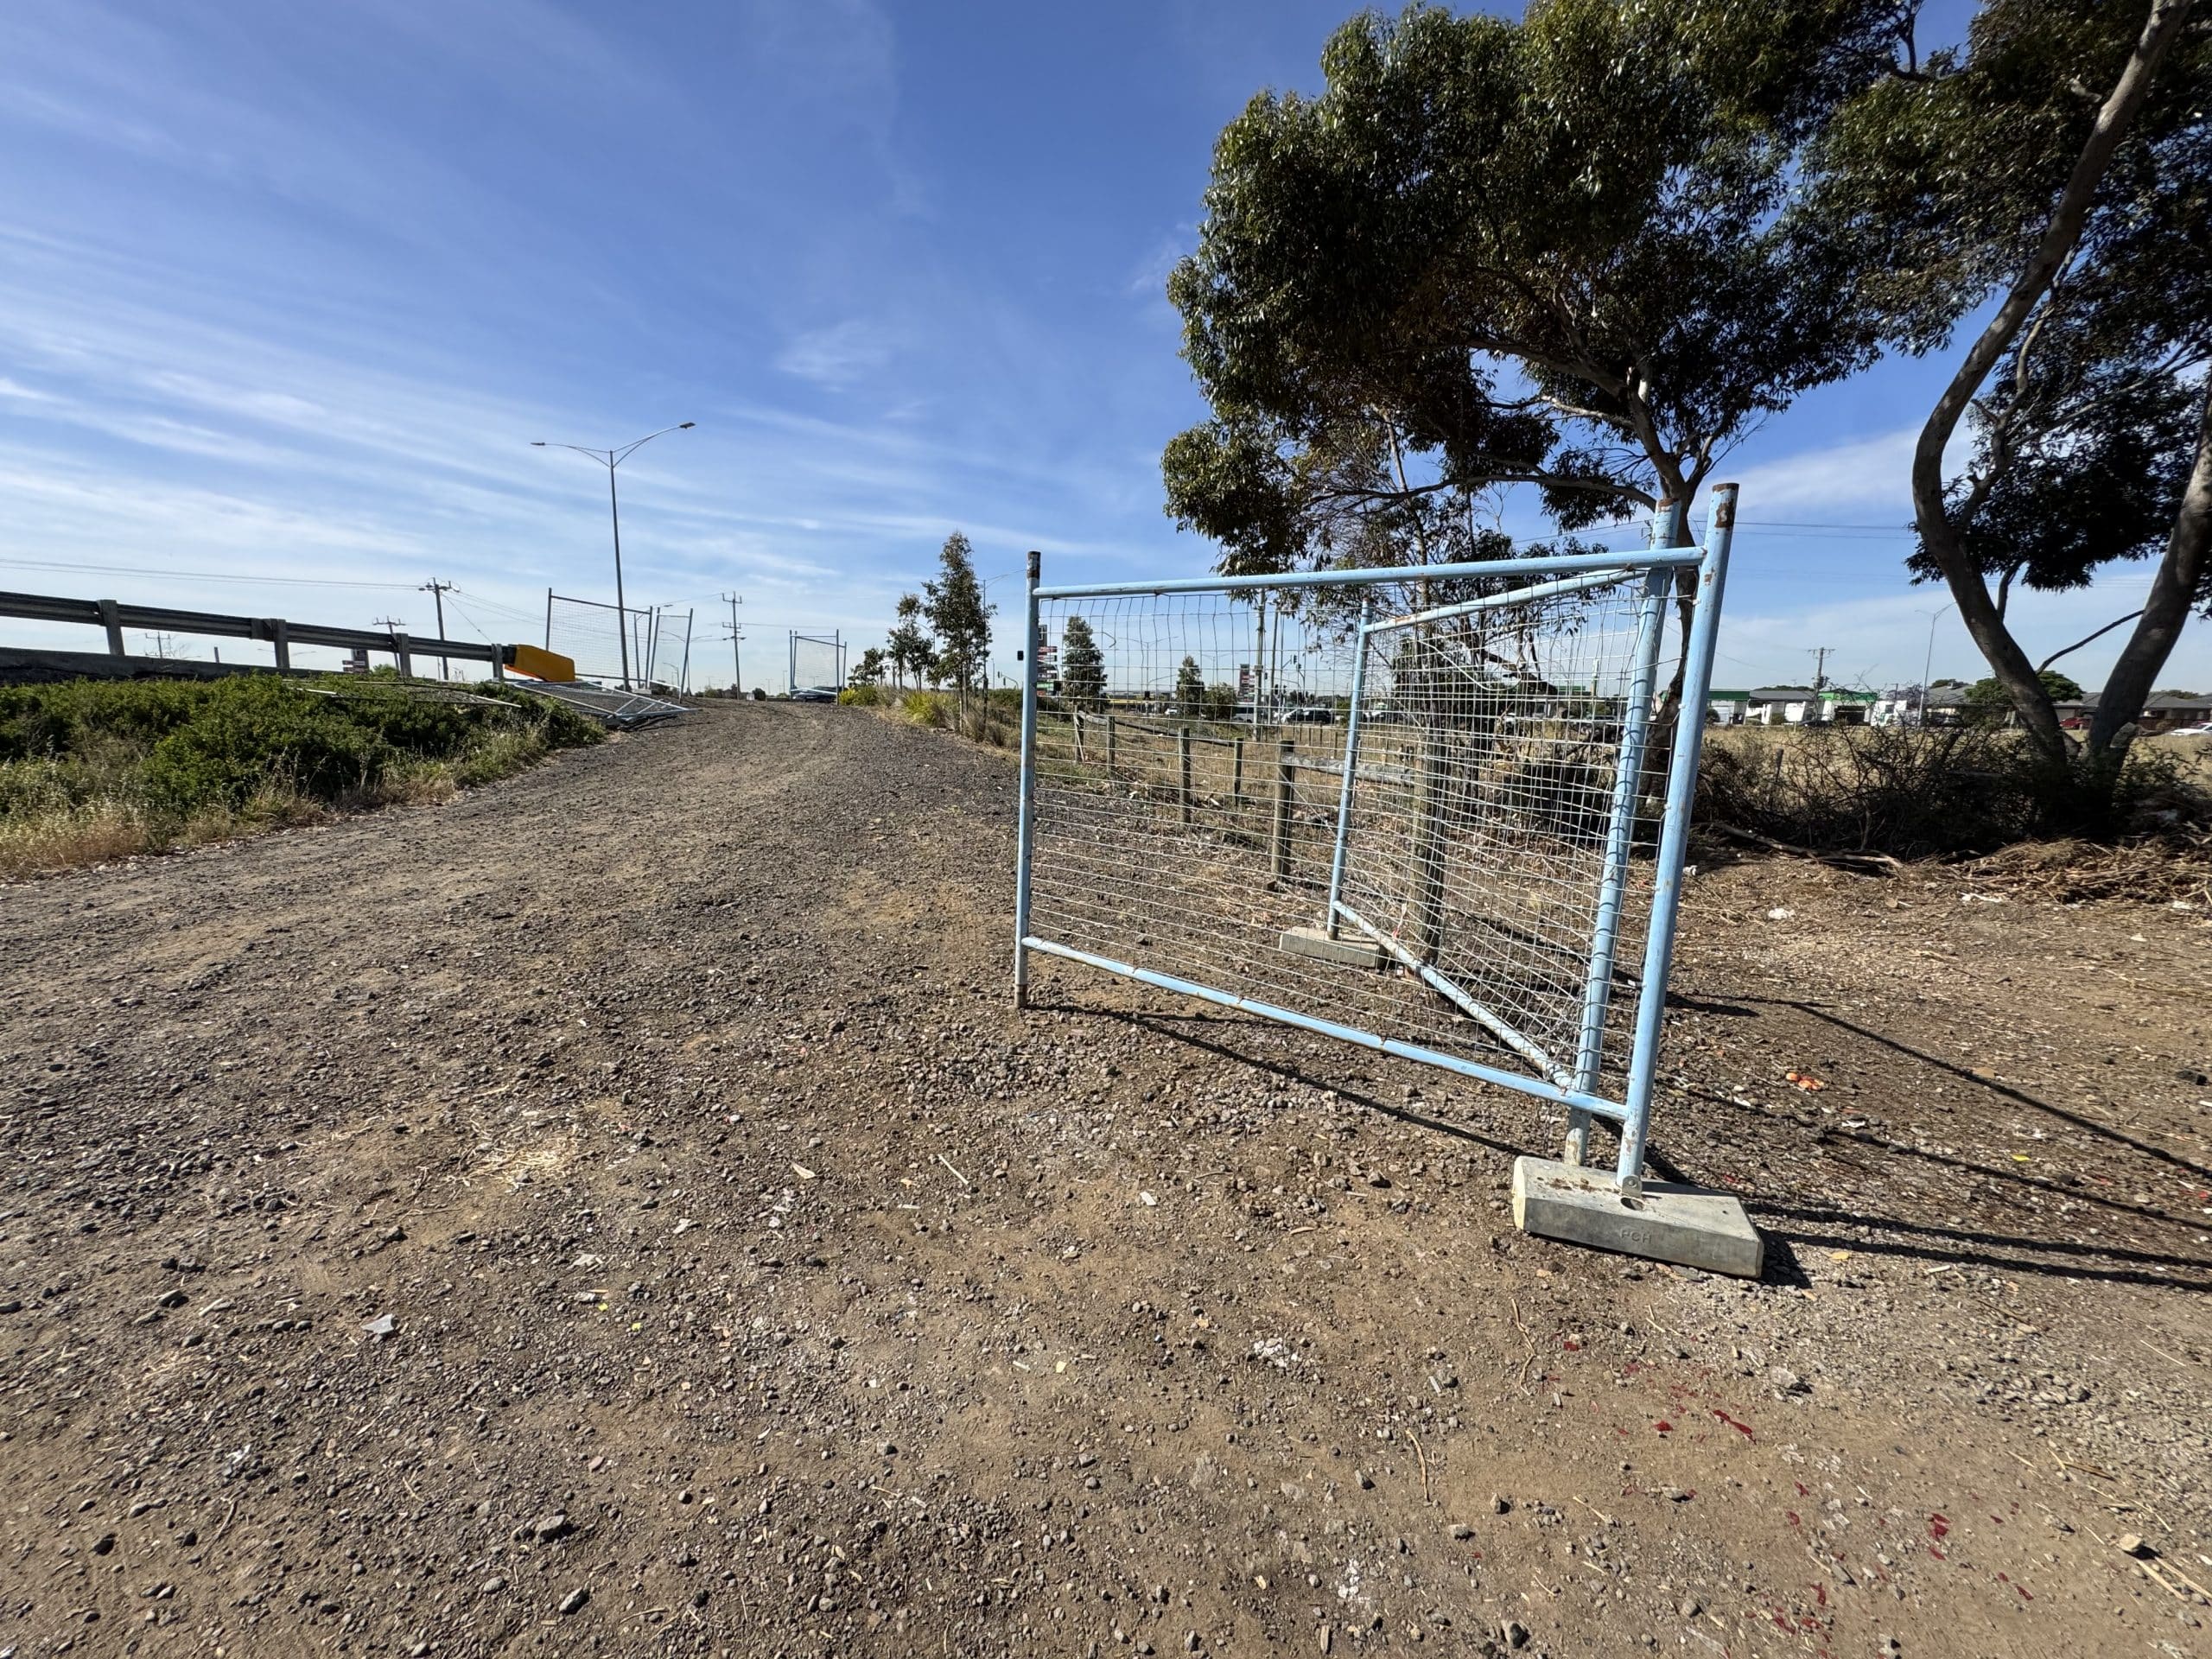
point(114, 617)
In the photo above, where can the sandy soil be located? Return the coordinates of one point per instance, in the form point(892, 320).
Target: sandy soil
point(753, 1280)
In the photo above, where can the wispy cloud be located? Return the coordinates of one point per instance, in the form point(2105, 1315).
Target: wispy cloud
point(839, 356)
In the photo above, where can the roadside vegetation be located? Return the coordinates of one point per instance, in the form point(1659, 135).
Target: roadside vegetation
point(95, 770)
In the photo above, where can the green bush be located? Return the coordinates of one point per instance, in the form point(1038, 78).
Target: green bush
point(862, 696)
point(101, 768)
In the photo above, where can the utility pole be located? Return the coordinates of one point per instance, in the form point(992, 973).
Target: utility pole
point(1820, 655)
point(736, 645)
point(437, 590)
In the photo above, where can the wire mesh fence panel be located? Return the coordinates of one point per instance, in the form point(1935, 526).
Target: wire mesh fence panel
point(588, 632)
point(1417, 811)
point(666, 649)
point(817, 662)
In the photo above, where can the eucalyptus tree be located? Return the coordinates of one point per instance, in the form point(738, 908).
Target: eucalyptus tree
point(2050, 184)
point(1552, 252)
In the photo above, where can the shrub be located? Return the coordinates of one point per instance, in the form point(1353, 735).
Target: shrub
point(92, 769)
point(1914, 794)
point(862, 696)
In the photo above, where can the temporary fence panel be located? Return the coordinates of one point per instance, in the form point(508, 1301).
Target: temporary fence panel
point(588, 632)
point(667, 649)
point(1424, 829)
point(816, 660)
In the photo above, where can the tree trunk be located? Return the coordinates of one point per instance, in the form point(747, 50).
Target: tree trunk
point(1985, 622)
point(2173, 590)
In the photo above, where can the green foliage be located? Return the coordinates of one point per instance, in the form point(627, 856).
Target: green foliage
point(870, 670)
point(863, 694)
point(2086, 391)
point(255, 731)
point(1082, 666)
point(959, 615)
point(1220, 702)
point(1190, 687)
point(142, 762)
point(909, 646)
point(1493, 253)
point(1987, 698)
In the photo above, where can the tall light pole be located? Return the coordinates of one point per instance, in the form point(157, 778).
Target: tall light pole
point(1928, 662)
point(611, 459)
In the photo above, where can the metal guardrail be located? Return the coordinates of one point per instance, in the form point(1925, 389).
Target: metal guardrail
point(114, 616)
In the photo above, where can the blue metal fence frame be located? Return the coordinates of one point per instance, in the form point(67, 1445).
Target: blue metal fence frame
point(1659, 564)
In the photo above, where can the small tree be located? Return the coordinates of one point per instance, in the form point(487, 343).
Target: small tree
point(870, 670)
point(1190, 687)
point(1082, 666)
point(1221, 701)
point(909, 645)
point(1988, 701)
point(959, 616)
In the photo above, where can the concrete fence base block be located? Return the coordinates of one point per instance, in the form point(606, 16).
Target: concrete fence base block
point(1669, 1222)
point(1345, 952)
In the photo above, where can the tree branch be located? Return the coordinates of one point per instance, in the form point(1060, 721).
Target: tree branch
point(2067, 650)
point(2061, 236)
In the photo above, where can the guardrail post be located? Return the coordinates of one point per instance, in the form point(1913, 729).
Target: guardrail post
point(111, 620)
point(1183, 771)
point(280, 636)
point(1285, 790)
point(402, 655)
point(500, 663)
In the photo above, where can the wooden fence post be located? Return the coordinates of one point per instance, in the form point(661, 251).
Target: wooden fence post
point(1286, 788)
point(1183, 769)
point(1110, 744)
point(1237, 776)
point(1428, 929)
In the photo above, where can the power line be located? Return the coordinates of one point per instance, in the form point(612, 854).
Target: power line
point(201, 576)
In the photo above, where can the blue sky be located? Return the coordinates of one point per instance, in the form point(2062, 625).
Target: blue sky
point(286, 291)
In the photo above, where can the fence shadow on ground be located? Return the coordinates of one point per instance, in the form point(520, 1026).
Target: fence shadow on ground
point(1789, 1226)
point(1957, 1242)
point(1177, 1028)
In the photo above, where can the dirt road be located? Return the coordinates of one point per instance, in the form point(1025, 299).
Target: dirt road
point(753, 1280)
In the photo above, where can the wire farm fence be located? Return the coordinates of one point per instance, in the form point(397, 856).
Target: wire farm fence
point(1415, 810)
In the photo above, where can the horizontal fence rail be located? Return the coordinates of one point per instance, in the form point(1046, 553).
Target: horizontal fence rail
point(114, 616)
point(1438, 812)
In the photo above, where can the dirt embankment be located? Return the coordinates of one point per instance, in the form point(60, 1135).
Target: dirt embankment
point(757, 1281)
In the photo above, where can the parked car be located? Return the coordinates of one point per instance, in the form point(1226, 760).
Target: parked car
point(815, 694)
point(2202, 729)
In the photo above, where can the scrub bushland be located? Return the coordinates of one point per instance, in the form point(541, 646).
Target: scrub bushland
point(95, 769)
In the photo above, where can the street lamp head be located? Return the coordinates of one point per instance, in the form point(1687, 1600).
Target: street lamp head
point(687, 426)
point(538, 443)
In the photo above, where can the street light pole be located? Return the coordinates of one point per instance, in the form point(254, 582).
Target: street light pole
point(1928, 662)
point(611, 459)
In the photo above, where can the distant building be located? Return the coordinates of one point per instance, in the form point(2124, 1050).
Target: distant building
point(1792, 705)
